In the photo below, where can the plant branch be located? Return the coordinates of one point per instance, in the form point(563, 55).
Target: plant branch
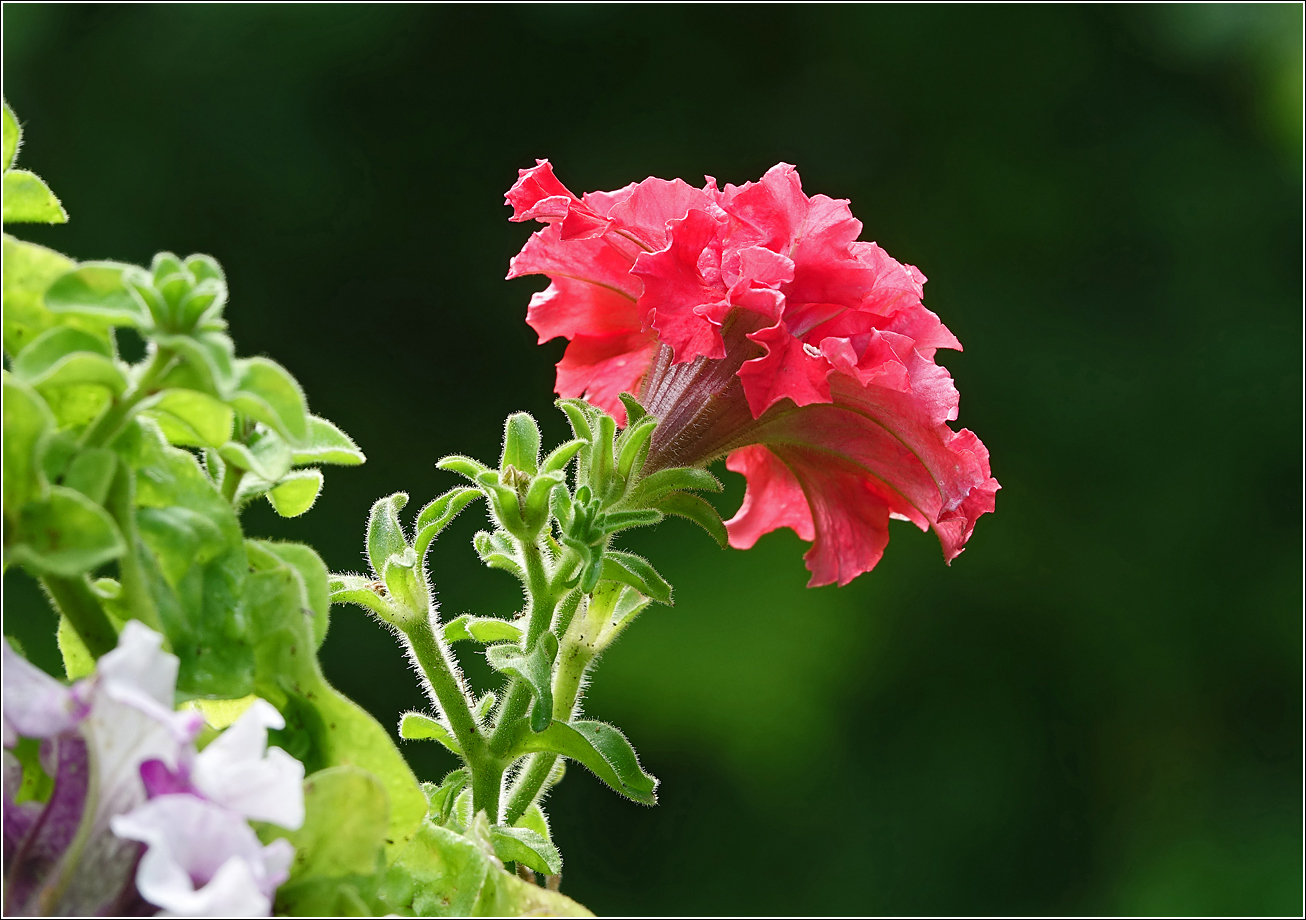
point(75, 600)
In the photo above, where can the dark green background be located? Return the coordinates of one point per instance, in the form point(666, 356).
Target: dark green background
point(1096, 708)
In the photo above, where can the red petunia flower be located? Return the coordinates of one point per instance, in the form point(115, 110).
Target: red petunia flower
point(752, 323)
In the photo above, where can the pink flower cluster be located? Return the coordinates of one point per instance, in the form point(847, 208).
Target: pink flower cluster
point(753, 323)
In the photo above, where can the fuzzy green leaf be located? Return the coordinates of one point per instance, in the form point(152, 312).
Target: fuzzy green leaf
point(696, 509)
point(65, 535)
point(13, 135)
point(535, 667)
point(636, 571)
point(346, 814)
point(296, 492)
point(267, 392)
point(208, 364)
point(266, 455)
point(95, 290)
point(437, 515)
point(27, 426)
point(28, 271)
point(521, 443)
point(325, 443)
point(385, 535)
point(601, 749)
point(27, 199)
point(193, 419)
point(528, 847)
point(681, 478)
point(414, 726)
point(91, 473)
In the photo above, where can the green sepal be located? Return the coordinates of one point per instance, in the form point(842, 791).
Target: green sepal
point(66, 534)
point(560, 456)
point(27, 199)
point(437, 515)
point(601, 462)
point(601, 749)
point(634, 411)
point(267, 392)
point(504, 502)
point(633, 445)
point(536, 511)
point(464, 466)
point(574, 409)
point(404, 580)
point(636, 571)
point(325, 443)
point(614, 521)
point(535, 667)
point(528, 847)
point(295, 492)
point(414, 726)
point(96, 290)
point(385, 535)
point(696, 509)
point(680, 478)
point(521, 444)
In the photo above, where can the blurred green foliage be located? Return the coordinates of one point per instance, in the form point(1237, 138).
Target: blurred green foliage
point(1096, 708)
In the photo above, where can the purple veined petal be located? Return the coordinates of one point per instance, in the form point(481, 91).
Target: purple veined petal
point(35, 704)
point(19, 819)
point(203, 859)
point(35, 867)
point(239, 771)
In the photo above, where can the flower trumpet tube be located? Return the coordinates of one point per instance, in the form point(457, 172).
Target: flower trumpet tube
point(753, 324)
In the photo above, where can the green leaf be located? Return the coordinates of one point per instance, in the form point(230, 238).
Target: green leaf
point(634, 411)
point(27, 426)
point(440, 874)
point(13, 136)
point(265, 391)
point(614, 521)
point(697, 510)
point(266, 455)
point(575, 410)
point(316, 580)
point(190, 563)
point(437, 515)
point(679, 478)
point(346, 817)
point(95, 290)
point(464, 466)
point(414, 726)
point(468, 628)
point(357, 589)
point(535, 667)
point(27, 199)
point(91, 473)
point(65, 535)
point(73, 370)
point(325, 443)
point(636, 571)
point(633, 445)
point(521, 443)
point(296, 492)
point(601, 749)
point(78, 662)
point(51, 346)
point(528, 847)
point(192, 419)
point(28, 271)
point(323, 727)
point(385, 535)
point(533, 818)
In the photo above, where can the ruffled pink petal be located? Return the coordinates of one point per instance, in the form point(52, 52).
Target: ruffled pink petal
point(788, 370)
point(770, 212)
point(538, 195)
point(773, 498)
point(644, 213)
point(594, 260)
point(600, 368)
point(678, 300)
point(568, 308)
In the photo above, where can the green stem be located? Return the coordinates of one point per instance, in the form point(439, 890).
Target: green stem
point(231, 483)
point(76, 601)
point(573, 659)
point(122, 505)
point(106, 427)
point(431, 657)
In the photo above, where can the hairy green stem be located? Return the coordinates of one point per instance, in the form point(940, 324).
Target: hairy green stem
point(231, 483)
point(107, 426)
point(431, 657)
point(121, 504)
point(76, 601)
